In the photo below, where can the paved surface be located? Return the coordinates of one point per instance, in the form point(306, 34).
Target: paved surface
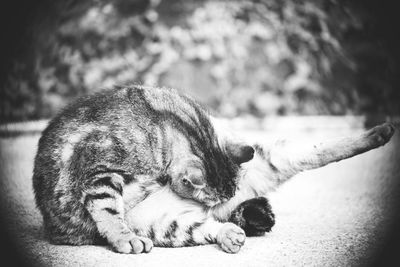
point(339, 215)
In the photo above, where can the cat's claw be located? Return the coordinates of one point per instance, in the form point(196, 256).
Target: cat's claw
point(136, 245)
point(231, 238)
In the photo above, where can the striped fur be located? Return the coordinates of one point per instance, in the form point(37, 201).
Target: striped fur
point(138, 167)
point(106, 153)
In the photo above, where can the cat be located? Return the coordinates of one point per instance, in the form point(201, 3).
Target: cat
point(137, 167)
point(142, 137)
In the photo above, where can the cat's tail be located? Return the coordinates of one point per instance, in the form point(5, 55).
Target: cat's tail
point(285, 158)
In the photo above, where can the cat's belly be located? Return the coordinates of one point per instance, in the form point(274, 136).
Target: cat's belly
point(163, 212)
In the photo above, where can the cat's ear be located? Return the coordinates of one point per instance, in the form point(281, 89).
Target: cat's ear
point(236, 149)
point(239, 152)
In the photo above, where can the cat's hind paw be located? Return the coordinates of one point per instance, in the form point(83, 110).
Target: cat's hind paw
point(254, 216)
point(381, 134)
point(231, 238)
point(136, 245)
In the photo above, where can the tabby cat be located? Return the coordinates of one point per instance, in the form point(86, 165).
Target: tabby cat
point(138, 166)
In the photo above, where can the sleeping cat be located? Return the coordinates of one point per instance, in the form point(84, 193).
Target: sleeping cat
point(140, 166)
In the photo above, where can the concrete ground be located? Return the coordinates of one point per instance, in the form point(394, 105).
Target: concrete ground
point(339, 215)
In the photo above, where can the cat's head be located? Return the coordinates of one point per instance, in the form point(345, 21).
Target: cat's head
point(206, 159)
point(212, 178)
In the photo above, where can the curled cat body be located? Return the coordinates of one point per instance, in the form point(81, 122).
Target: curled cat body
point(136, 137)
point(136, 167)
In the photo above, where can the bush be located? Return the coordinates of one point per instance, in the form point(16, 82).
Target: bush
point(238, 57)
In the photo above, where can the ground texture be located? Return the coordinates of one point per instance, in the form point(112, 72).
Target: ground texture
point(339, 215)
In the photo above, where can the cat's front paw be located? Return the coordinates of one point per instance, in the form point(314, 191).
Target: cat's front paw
point(231, 238)
point(136, 245)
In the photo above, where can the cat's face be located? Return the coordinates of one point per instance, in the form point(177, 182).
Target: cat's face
point(213, 180)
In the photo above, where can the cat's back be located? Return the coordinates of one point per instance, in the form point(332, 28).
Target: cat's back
point(70, 125)
point(131, 115)
point(121, 108)
point(103, 108)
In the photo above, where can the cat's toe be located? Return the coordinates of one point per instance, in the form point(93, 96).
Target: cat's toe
point(136, 245)
point(231, 238)
point(122, 247)
point(141, 244)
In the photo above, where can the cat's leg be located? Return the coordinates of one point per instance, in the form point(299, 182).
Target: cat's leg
point(275, 163)
point(102, 162)
point(171, 221)
point(103, 200)
point(254, 216)
point(289, 158)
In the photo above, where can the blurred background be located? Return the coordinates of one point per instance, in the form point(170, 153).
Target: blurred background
point(239, 58)
point(267, 62)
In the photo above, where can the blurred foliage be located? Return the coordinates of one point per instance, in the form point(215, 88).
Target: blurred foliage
point(237, 57)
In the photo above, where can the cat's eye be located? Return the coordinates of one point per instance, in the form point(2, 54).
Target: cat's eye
point(185, 181)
